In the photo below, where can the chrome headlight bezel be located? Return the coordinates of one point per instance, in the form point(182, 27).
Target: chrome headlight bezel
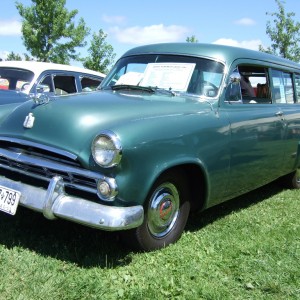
point(107, 149)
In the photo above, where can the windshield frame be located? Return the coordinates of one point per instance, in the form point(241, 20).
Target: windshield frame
point(204, 68)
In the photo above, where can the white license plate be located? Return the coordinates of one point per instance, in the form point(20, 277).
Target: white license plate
point(9, 200)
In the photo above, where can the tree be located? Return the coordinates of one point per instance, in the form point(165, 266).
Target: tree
point(13, 56)
point(49, 32)
point(284, 35)
point(101, 54)
point(17, 57)
point(191, 39)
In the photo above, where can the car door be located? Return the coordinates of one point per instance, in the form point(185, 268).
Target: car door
point(285, 97)
point(257, 142)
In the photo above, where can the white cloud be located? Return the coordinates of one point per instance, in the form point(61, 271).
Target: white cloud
point(150, 34)
point(251, 44)
point(113, 19)
point(245, 22)
point(3, 54)
point(11, 27)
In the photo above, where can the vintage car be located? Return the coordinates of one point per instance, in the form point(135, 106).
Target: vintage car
point(33, 77)
point(175, 128)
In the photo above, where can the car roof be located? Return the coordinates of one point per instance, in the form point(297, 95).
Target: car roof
point(226, 54)
point(39, 67)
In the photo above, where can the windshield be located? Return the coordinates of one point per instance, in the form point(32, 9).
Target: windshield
point(15, 79)
point(183, 74)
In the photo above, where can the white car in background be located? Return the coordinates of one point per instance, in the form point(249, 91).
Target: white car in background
point(32, 77)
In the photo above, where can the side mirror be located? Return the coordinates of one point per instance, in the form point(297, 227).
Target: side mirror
point(233, 90)
point(42, 88)
point(235, 77)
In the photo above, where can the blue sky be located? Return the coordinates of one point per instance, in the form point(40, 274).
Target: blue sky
point(131, 23)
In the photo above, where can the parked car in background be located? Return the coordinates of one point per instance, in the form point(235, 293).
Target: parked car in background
point(32, 77)
point(7, 97)
point(174, 128)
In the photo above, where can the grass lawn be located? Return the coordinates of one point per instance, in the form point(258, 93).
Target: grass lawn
point(247, 248)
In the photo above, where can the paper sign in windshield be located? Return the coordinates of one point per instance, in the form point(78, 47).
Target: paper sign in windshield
point(174, 76)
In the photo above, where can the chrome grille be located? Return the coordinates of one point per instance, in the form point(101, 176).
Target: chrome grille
point(44, 163)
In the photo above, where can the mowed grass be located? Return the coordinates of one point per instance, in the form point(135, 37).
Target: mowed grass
point(247, 248)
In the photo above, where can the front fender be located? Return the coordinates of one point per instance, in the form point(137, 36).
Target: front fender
point(151, 149)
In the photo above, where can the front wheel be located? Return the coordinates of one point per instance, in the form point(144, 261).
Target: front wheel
point(166, 213)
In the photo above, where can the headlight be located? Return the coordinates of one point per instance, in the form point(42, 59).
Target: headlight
point(107, 149)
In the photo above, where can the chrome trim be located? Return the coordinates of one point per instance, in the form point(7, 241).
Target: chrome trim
point(54, 203)
point(33, 175)
point(118, 155)
point(40, 146)
point(24, 158)
point(56, 166)
point(40, 98)
point(113, 187)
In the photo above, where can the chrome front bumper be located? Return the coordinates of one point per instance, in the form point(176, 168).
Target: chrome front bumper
point(54, 203)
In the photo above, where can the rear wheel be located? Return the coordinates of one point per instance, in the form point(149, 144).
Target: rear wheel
point(295, 180)
point(166, 213)
point(292, 181)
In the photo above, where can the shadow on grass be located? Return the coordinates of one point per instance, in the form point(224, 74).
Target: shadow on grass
point(200, 220)
point(62, 240)
point(87, 247)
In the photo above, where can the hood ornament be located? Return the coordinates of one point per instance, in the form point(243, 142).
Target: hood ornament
point(29, 121)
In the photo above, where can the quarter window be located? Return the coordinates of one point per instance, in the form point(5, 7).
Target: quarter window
point(89, 84)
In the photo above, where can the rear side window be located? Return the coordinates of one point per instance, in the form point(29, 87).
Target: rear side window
point(282, 87)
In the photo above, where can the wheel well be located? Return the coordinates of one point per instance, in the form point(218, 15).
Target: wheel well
point(196, 184)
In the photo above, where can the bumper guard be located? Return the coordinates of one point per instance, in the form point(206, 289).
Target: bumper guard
point(54, 203)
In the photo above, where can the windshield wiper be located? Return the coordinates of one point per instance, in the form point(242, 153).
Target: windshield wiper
point(132, 87)
point(164, 91)
point(148, 89)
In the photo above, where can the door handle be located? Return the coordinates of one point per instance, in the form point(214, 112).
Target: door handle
point(279, 114)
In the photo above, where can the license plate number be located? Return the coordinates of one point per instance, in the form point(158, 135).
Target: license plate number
point(9, 200)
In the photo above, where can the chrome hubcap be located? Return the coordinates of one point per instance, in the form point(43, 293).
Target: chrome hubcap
point(163, 210)
point(297, 176)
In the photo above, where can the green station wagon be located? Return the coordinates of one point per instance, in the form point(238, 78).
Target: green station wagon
point(174, 128)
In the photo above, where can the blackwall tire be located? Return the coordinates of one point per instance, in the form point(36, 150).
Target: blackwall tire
point(166, 213)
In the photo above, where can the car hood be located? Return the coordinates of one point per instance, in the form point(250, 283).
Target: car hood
point(70, 123)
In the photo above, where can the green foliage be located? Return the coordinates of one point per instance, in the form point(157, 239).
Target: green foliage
point(285, 35)
point(191, 39)
point(17, 57)
point(13, 56)
point(248, 248)
point(101, 54)
point(49, 32)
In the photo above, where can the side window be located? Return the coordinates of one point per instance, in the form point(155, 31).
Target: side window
point(297, 87)
point(254, 84)
point(45, 85)
point(15, 79)
point(4, 83)
point(64, 84)
point(282, 87)
point(89, 84)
